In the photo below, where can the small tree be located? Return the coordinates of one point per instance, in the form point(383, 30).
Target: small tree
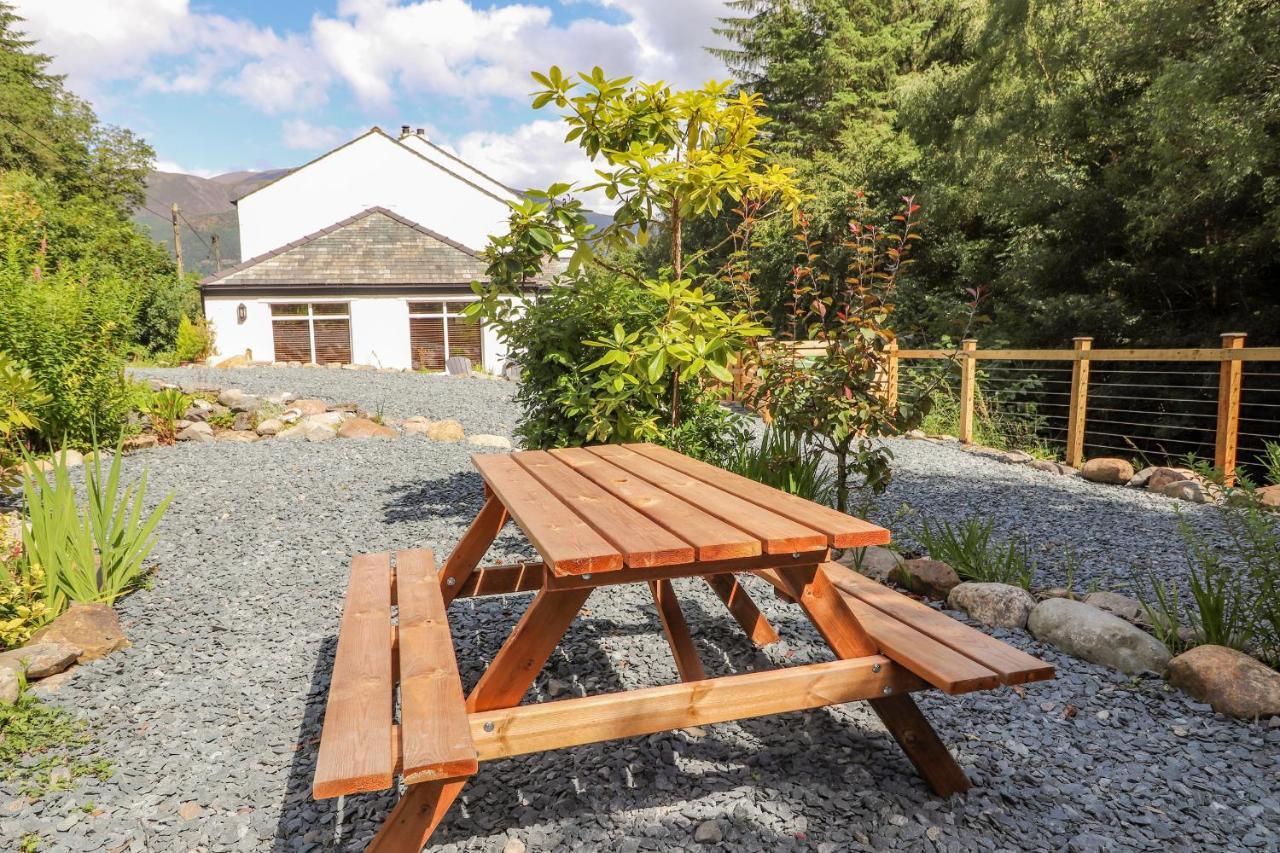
point(666, 156)
point(837, 398)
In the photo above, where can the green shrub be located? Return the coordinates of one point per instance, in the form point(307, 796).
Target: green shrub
point(968, 549)
point(786, 461)
point(90, 552)
point(1271, 462)
point(22, 604)
point(1235, 591)
point(165, 408)
point(21, 397)
point(194, 340)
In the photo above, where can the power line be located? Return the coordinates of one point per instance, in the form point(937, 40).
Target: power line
point(60, 156)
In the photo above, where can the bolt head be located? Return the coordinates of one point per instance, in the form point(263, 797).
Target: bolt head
point(451, 581)
point(875, 667)
point(587, 577)
point(887, 690)
point(488, 727)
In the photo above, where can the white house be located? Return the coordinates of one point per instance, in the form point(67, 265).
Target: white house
point(365, 255)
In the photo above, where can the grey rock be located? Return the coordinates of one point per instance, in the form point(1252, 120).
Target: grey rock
point(879, 564)
point(1094, 635)
point(1186, 490)
point(10, 686)
point(1129, 609)
point(243, 421)
point(198, 432)
point(996, 604)
point(708, 832)
point(270, 427)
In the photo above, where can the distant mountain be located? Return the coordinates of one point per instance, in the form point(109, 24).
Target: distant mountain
point(205, 203)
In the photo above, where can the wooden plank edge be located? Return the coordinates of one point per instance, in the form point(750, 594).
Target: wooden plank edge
point(594, 719)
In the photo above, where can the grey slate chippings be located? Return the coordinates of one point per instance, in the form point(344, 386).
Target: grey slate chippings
point(215, 711)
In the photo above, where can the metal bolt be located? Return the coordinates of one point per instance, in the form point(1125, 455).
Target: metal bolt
point(875, 667)
point(795, 555)
point(586, 577)
point(452, 581)
point(488, 727)
point(887, 690)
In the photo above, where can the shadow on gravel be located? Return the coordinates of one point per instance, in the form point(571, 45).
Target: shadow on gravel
point(457, 496)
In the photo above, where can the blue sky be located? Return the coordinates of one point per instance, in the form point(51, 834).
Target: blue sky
point(251, 84)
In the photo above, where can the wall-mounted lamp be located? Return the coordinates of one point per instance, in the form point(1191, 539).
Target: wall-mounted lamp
point(242, 313)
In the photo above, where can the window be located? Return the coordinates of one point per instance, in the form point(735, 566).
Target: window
point(437, 331)
point(317, 332)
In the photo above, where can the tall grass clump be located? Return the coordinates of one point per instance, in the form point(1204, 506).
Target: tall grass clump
point(787, 461)
point(968, 548)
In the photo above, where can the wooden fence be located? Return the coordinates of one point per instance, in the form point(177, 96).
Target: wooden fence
point(1155, 388)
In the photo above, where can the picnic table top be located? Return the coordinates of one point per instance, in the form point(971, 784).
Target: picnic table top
point(631, 506)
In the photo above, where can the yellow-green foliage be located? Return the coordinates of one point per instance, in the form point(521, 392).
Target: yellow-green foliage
point(194, 341)
point(22, 607)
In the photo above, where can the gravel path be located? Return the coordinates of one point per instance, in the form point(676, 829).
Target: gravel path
point(219, 703)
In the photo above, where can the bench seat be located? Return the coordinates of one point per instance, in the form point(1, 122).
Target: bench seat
point(362, 745)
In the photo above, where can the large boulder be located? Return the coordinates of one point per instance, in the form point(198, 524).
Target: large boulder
point(94, 628)
point(1094, 635)
point(310, 406)
point(1128, 609)
point(1186, 490)
point(365, 428)
point(1269, 496)
point(448, 430)
point(198, 432)
point(238, 401)
point(1231, 681)
point(926, 576)
point(1162, 477)
point(270, 426)
point(40, 660)
point(1107, 469)
point(999, 605)
point(879, 564)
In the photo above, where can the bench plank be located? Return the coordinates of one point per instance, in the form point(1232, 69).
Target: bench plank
point(566, 542)
point(777, 534)
point(713, 538)
point(842, 531)
point(435, 738)
point(355, 743)
point(1011, 665)
point(642, 542)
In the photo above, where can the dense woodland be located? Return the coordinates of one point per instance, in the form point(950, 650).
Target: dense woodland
point(1096, 168)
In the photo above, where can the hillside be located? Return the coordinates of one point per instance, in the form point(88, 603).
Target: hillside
point(206, 205)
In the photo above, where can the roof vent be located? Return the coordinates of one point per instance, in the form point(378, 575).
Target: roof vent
point(422, 131)
point(404, 130)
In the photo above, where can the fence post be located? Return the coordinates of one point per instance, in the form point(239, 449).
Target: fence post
point(891, 376)
point(968, 373)
point(1079, 402)
point(1230, 373)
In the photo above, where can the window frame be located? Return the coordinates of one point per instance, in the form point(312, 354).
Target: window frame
point(310, 318)
point(444, 315)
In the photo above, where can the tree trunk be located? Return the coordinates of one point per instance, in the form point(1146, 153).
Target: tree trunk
point(842, 477)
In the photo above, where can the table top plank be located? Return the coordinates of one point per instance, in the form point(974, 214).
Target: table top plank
point(776, 533)
point(567, 543)
point(842, 531)
point(714, 539)
point(642, 542)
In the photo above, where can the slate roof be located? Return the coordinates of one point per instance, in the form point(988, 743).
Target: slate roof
point(373, 248)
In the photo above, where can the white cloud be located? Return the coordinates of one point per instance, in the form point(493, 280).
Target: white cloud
point(300, 133)
point(171, 166)
point(377, 48)
point(532, 156)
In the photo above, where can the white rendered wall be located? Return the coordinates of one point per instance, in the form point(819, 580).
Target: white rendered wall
point(379, 330)
point(373, 171)
point(439, 157)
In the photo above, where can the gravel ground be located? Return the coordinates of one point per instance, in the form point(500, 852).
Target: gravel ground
point(219, 703)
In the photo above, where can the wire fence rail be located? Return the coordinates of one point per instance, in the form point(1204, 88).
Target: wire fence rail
point(1220, 403)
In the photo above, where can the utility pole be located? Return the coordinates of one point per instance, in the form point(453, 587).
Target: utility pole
point(217, 253)
point(177, 239)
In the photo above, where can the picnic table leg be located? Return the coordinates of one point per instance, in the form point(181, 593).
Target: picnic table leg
point(677, 630)
point(415, 817)
point(472, 546)
point(743, 609)
point(901, 716)
point(526, 651)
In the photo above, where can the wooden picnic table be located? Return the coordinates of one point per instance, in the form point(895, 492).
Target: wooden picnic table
point(620, 514)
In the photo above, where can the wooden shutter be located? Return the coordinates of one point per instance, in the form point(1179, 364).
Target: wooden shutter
point(464, 339)
point(333, 341)
point(426, 342)
point(292, 339)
